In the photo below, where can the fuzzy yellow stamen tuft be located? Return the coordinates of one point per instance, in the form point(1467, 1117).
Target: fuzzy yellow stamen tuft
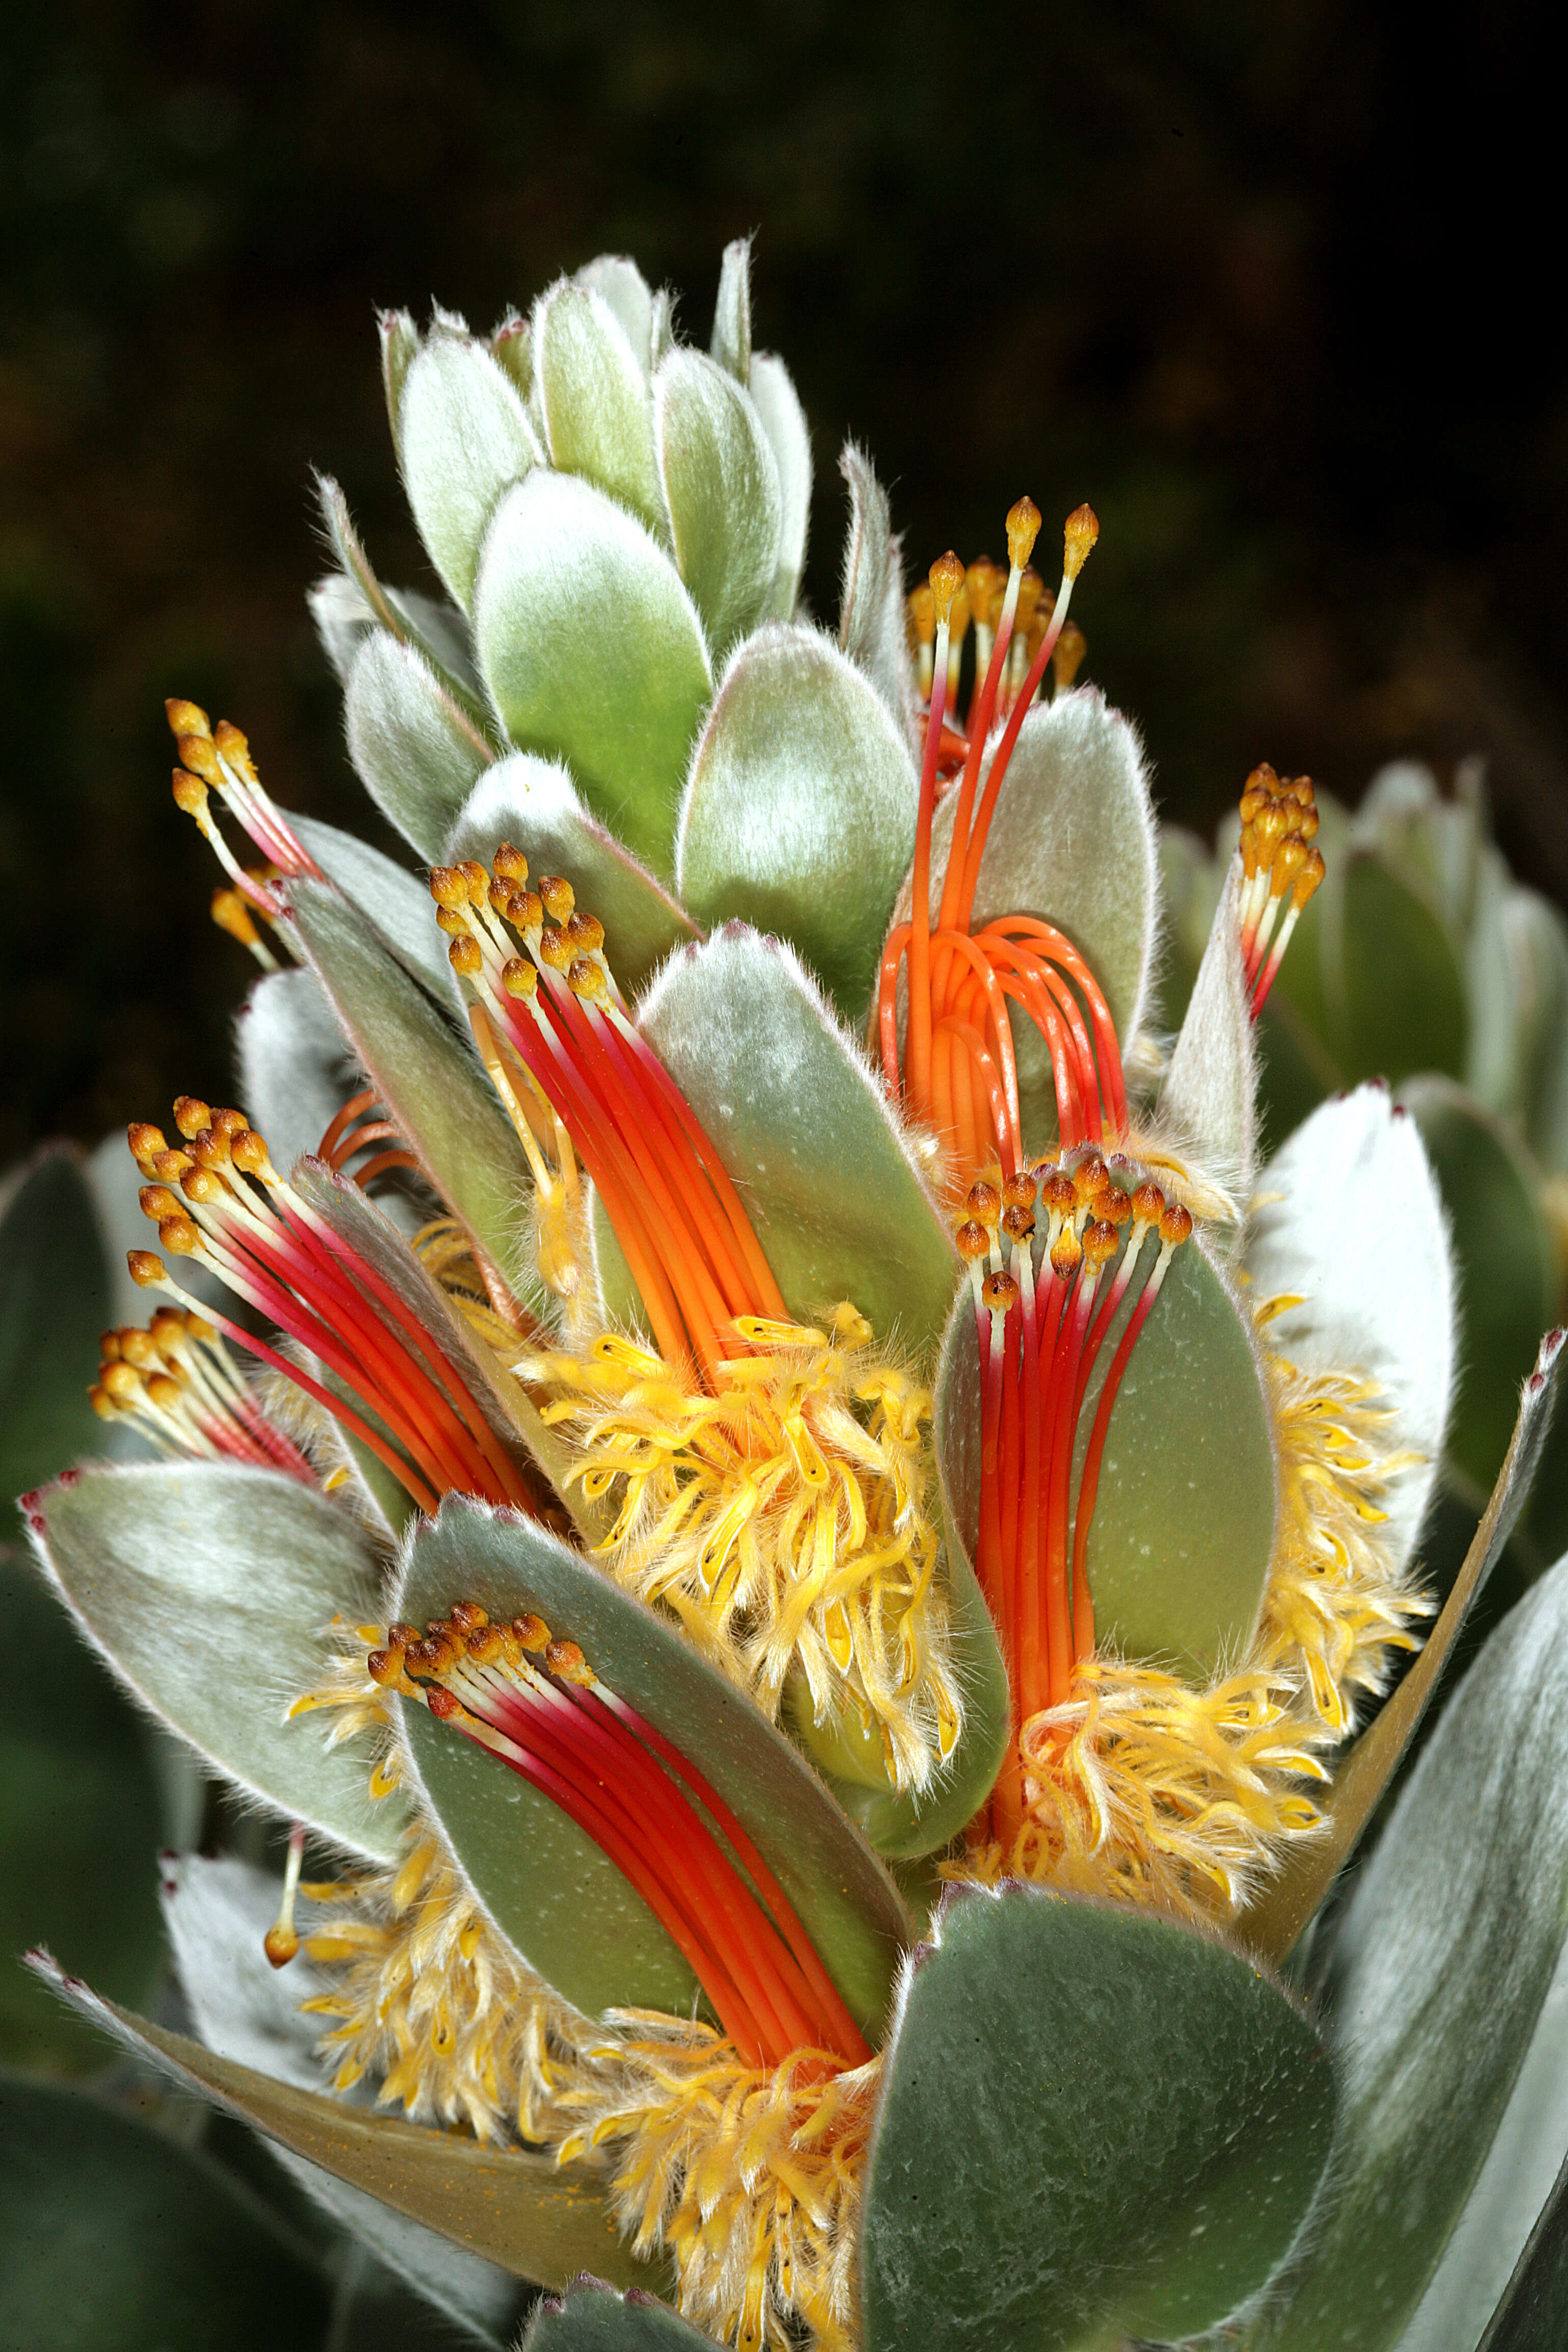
point(783, 1515)
point(1145, 1788)
point(749, 2177)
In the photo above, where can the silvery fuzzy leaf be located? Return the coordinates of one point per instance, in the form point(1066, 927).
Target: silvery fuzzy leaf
point(800, 809)
point(1443, 1965)
point(342, 619)
point(534, 804)
point(1495, 1043)
point(1191, 878)
point(397, 902)
point(400, 342)
point(662, 332)
point(217, 1915)
point(830, 1178)
point(1274, 1920)
point(1349, 1218)
point(295, 1067)
point(417, 752)
point(777, 402)
point(871, 629)
point(206, 1586)
point(594, 2317)
point(592, 388)
point(593, 652)
point(629, 296)
point(721, 485)
point(1072, 841)
point(435, 629)
point(465, 438)
point(515, 2208)
point(1209, 1096)
point(428, 1079)
point(1537, 942)
point(54, 1278)
point(512, 348)
point(731, 343)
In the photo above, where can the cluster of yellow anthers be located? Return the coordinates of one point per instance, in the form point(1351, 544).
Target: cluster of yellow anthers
point(1145, 1788)
point(783, 1515)
point(770, 1480)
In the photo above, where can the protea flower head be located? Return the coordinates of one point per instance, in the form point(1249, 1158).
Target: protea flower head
point(747, 1455)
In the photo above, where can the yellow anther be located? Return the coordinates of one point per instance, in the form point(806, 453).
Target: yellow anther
point(186, 718)
point(232, 915)
point(585, 978)
point(922, 610)
point(509, 864)
point(464, 957)
point(447, 887)
point(1023, 529)
point(475, 881)
point(554, 950)
point(947, 578)
point(146, 1269)
point(1078, 540)
point(518, 976)
point(1067, 659)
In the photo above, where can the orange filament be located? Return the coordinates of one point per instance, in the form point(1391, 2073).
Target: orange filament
point(1280, 867)
point(575, 1074)
point(1040, 1339)
point(343, 1142)
point(237, 1217)
point(537, 1704)
point(959, 1069)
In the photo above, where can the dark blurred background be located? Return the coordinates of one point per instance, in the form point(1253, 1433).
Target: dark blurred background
point(1267, 286)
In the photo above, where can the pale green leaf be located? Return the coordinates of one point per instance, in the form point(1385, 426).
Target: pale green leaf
point(437, 629)
point(830, 1178)
point(627, 291)
point(800, 809)
point(871, 625)
point(1396, 989)
point(1275, 1919)
point(1442, 1967)
point(397, 902)
point(774, 397)
point(463, 438)
point(430, 1080)
point(1376, 1284)
point(416, 752)
point(593, 2318)
point(400, 342)
point(207, 1587)
point(1096, 2124)
point(594, 391)
point(1537, 940)
point(561, 1901)
point(593, 652)
point(721, 485)
point(519, 2210)
point(731, 342)
point(533, 803)
point(296, 1069)
point(55, 1296)
point(1208, 1099)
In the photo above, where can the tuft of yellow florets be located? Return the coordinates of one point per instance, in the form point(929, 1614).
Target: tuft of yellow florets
point(783, 1516)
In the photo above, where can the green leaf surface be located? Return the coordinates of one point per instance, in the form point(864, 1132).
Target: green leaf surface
point(1537, 942)
point(629, 296)
point(207, 1586)
point(828, 1177)
point(1191, 878)
point(1396, 985)
point(730, 343)
point(533, 803)
point(1532, 2316)
point(464, 435)
point(295, 1067)
point(593, 652)
point(113, 2238)
point(799, 811)
point(80, 1822)
point(721, 485)
point(592, 388)
point(1210, 1089)
point(558, 1899)
point(515, 2209)
point(591, 2317)
point(777, 404)
point(397, 901)
point(1071, 842)
point(417, 752)
point(1184, 1523)
point(1096, 2124)
point(1441, 1968)
point(872, 626)
point(434, 627)
point(1508, 1289)
point(1276, 1918)
point(55, 1297)
point(430, 1079)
